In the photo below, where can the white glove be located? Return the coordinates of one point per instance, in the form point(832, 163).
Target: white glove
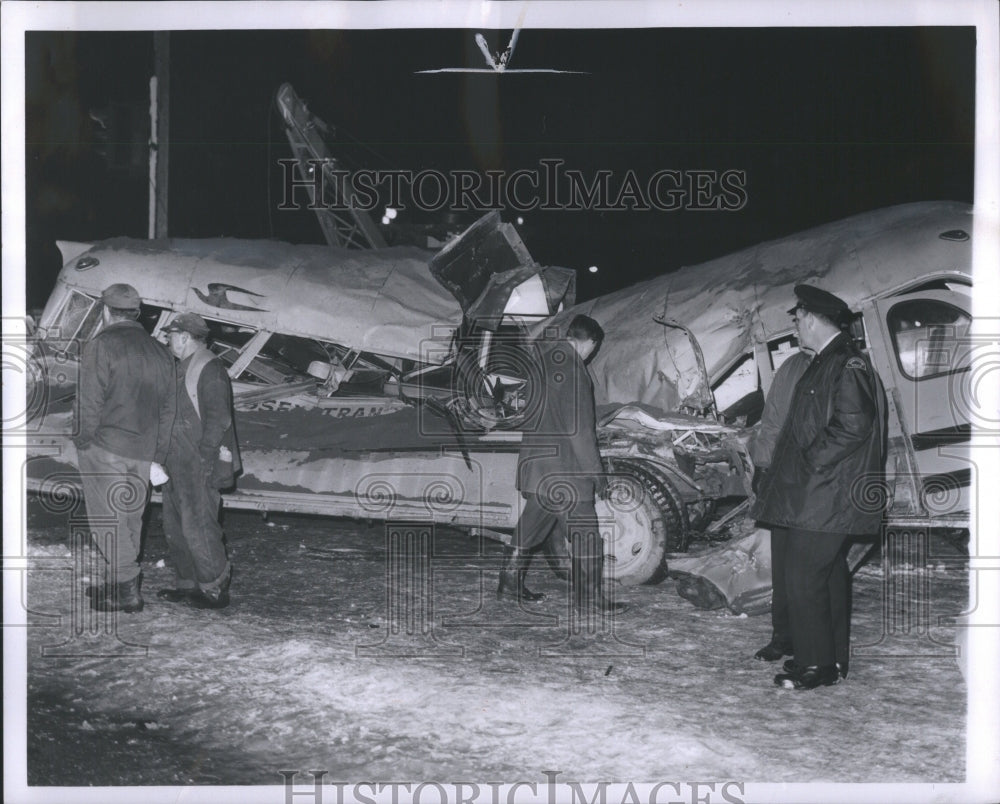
point(157, 474)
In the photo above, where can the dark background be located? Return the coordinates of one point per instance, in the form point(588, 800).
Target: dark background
point(825, 122)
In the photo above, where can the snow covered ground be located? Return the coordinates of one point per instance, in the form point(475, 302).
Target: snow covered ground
point(333, 657)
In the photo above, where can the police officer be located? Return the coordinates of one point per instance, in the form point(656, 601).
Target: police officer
point(830, 449)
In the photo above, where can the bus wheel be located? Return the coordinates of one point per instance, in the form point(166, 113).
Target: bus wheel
point(642, 521)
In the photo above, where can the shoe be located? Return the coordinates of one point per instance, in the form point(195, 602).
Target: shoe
point(792, 666)
point(176, 595)
point(603, 606)
point(523, 592)
point(98, 591)
point(809, 678)
point(773, 651)
point(608, 607)
point(512, 575)
point(208, 600)
point(119, 597)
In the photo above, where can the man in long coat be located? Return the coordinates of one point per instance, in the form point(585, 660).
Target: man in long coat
point(559, 471)
point(829, 457)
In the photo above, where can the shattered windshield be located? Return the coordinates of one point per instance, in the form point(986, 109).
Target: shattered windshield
point(79, 319)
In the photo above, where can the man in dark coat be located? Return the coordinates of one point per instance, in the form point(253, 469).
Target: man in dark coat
point(126, 394)
point(559, 471)
point(202, 459)
point(829, 456)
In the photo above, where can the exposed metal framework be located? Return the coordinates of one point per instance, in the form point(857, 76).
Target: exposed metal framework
point(344, 224)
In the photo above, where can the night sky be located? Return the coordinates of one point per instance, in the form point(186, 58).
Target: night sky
point(825, 123)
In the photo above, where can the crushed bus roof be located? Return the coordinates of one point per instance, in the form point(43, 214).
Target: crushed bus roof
point(383, 301)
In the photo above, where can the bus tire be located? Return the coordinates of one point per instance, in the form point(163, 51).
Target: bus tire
point(645, 523)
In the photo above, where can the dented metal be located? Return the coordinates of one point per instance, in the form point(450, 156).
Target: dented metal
point(364, 388)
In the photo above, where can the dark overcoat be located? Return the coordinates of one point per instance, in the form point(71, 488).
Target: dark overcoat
point(559, 455)
point(826, 472)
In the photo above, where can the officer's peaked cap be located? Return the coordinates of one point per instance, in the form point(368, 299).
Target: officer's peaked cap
point(816, 300)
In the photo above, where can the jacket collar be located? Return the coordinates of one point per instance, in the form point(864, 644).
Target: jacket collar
point(127, 322)
point(184, 361)
point(837, 341)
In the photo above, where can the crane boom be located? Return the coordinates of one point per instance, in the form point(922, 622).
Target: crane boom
point(344, 224)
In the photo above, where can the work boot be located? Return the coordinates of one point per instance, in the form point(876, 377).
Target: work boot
point(101, 590)
point(119, 597)
point(211, 599)
point(512, 575)
point(557, 556)
point(216, 599)
point(178, 595)
point(587, 584)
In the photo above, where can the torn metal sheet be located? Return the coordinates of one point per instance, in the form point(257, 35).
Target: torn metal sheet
point(736, 575)
point(380, 301)
point(466, 264)
point(734, 301)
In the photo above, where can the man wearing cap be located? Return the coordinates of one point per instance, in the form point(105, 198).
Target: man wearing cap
point(831, 448)
point(127, 400)
point(202, 459)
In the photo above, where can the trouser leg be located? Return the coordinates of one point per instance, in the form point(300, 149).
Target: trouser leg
point(208, 545)
point(586, 583)
point(115, 490)
point(551, 538)
point(780, 629)
point(96, 479)
point(198, 503)
point(137, 478)
point(556, 551)
point(532, 529)
point(534, 524)
point(173, 528)
point(587, 552)
point(810, 560)
point(840, 605)
point(512, 576)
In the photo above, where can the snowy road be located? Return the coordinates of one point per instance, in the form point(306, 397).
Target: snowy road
point(332, 657)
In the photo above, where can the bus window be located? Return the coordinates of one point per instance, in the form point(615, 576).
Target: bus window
point(79, 318)
point(925, 336)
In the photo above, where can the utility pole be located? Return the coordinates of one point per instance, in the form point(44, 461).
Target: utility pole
point(159, 141)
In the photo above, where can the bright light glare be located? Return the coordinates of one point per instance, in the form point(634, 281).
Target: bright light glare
point(391, 213)
point(385, 220)
point(592, 269)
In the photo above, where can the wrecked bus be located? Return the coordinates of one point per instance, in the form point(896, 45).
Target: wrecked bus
point(431, 365)
point(706, 340)
point(724, 328)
